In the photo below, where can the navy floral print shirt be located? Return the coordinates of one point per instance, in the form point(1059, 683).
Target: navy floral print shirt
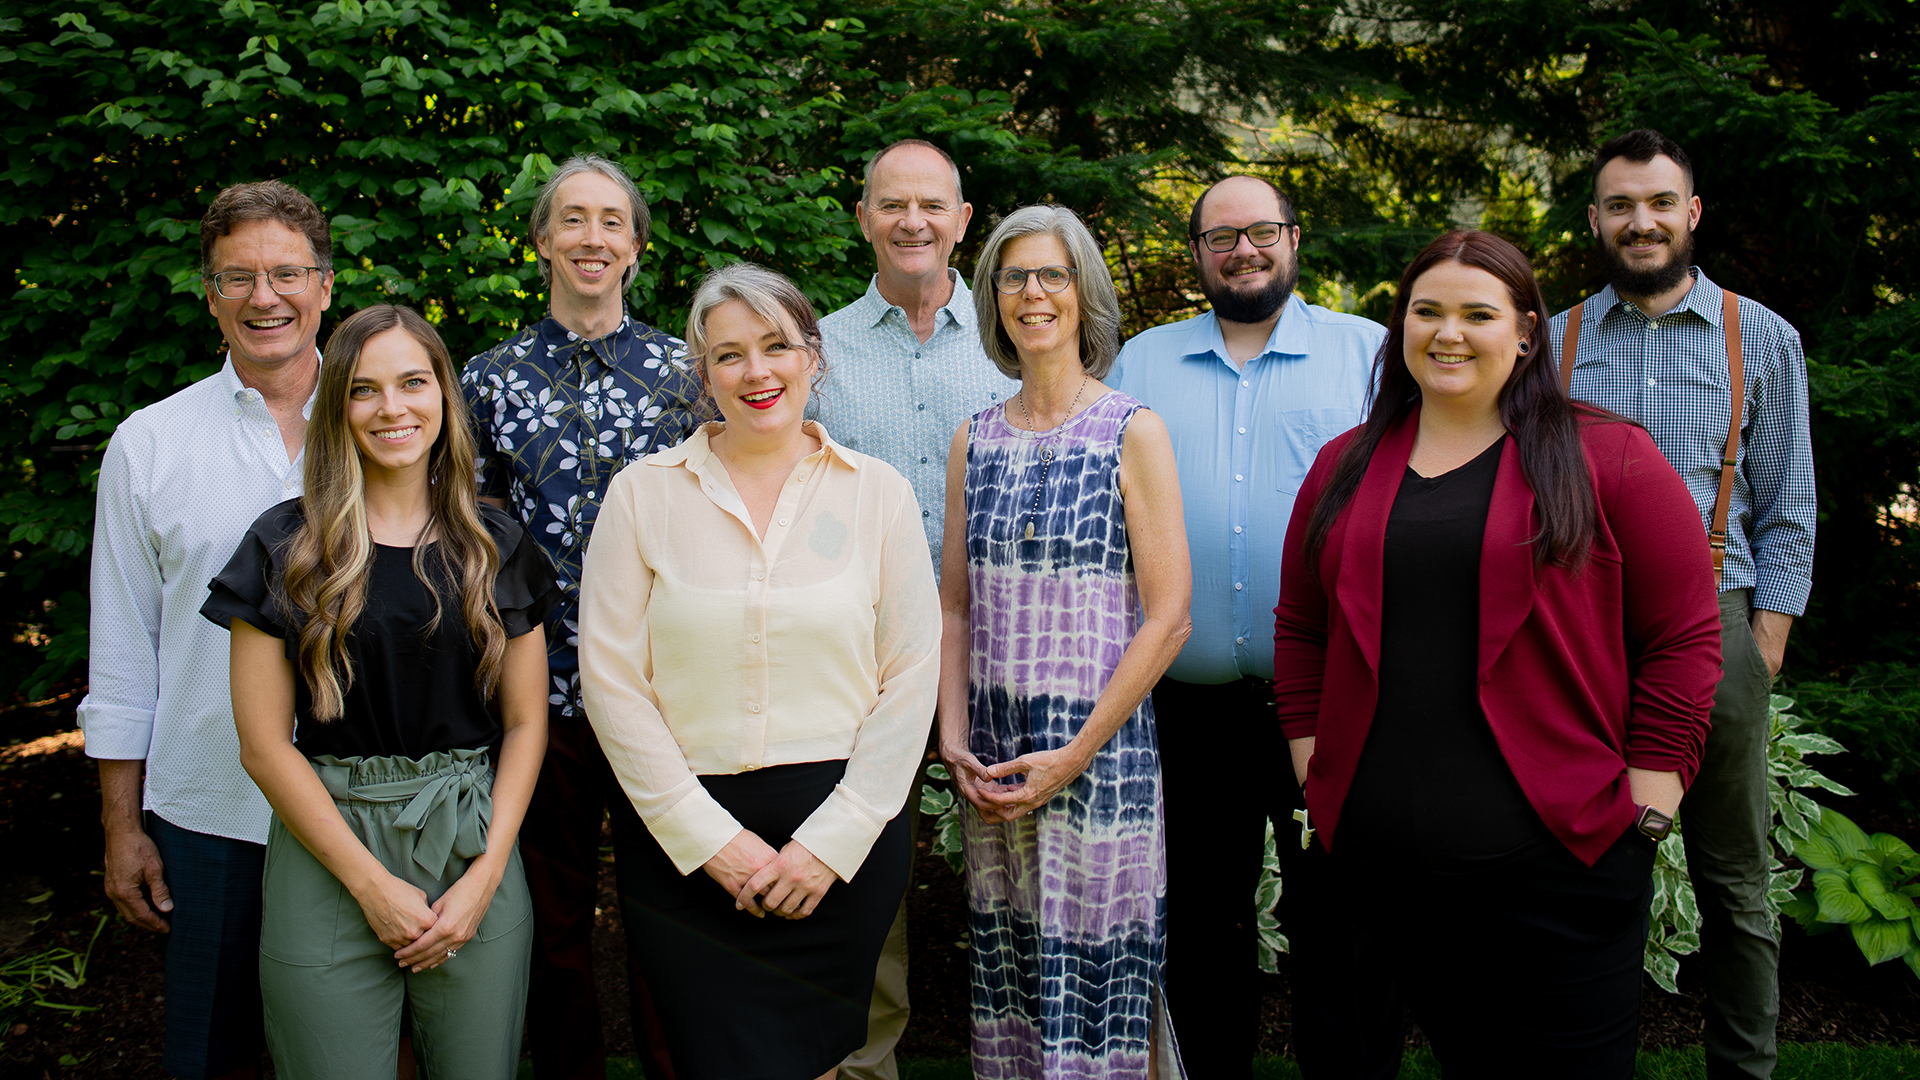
point(554, 417)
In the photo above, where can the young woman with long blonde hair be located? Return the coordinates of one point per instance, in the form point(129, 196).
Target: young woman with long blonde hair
point(387, 651)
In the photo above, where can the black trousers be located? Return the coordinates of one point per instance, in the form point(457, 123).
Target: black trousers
point(1224, 770)
point(560, 845)
point(1529, 969)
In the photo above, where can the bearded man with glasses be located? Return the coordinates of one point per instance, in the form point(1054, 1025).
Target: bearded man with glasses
point(181, 480)
point(1249, 391)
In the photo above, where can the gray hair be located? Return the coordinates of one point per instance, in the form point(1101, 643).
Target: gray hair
point(770, 295)
point(1099, 303)
point(541, 221)
point(866, 182)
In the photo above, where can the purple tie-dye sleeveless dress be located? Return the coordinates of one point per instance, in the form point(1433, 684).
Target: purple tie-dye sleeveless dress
point(1066, 905)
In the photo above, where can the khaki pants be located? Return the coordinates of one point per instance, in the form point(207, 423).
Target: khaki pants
point(332, 990)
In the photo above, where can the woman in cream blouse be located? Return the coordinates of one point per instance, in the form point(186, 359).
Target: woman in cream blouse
point(759, 653)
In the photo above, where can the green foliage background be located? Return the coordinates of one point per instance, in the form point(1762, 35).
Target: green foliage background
point(423, 126)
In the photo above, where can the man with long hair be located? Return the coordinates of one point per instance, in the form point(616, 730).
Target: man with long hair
point(181, 480)
point(558, 409)
point(1249, 391)
point(1653, 346)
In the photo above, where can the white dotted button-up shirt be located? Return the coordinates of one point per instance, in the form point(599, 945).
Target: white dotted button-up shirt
point(181, 481)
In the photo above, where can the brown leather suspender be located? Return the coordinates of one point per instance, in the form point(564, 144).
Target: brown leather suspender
point(1729, 462)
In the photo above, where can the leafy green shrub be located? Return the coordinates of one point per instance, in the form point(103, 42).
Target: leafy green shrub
point(1674, 929)
point(1877, 712)
point(1865, 883)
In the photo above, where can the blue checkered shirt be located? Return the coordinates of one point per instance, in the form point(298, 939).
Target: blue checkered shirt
point(1670, 375)
point(554, 417)
point(891, 395)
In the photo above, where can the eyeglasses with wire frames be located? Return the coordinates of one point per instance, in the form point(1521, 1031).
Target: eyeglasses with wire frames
point(1260, 234)
point(1013, 279)
point(285, 280)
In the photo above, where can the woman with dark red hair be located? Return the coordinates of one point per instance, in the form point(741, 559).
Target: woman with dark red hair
point(1497, 642)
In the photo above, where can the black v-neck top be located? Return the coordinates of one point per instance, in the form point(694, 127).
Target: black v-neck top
point(1432, 789)
point(413, 692)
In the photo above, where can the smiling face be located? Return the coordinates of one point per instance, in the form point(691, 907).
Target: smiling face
point(265, 329)
point(394, 404)
point(912, 216)
point(1247, 284)
point(1462, 336)
point(1040, 323)
point(1644, 214)
point(590, 241)
point(758, 371)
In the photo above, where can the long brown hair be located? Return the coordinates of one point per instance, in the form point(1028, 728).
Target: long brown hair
point(1544, 423)
point(329, 558)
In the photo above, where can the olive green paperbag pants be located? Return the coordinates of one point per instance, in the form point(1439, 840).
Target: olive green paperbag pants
point(333, 991)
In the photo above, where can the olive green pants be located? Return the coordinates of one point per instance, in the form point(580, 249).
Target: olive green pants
point(333, 991)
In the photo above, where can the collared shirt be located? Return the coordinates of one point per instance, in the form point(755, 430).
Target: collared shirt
point(1669, 374)
point(899, 399)
point(181, 481)
point(710, 649)
point(1243, 440)
point(555, 416)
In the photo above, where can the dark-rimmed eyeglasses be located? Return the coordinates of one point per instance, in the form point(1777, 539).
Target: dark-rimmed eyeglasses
point(1260, 234)
point(285, 280)
point(1013, 279)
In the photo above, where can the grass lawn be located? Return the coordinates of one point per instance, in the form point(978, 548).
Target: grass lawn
point(1798, 1061)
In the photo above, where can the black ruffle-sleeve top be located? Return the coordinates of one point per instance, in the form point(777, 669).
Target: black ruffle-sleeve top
point(413, 691)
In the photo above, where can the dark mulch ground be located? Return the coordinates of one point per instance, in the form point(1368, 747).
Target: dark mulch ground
point(50, 843)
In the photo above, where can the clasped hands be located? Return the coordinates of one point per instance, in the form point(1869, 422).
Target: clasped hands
point(788, 883)
point(1047, 772)
point(425, 935)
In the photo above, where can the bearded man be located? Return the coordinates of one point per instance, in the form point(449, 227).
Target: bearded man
point(1653, 346)
point(1249, 392)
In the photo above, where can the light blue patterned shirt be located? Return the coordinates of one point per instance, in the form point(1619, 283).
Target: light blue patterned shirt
point(1669, 374)
point(888, 394)
point(1243, 441)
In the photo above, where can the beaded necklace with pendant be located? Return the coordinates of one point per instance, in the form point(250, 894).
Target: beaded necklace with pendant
point(1046, 448)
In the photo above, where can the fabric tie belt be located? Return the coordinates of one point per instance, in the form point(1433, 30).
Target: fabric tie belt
point(449, 800)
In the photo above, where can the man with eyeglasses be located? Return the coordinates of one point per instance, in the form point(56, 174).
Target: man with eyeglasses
point(1249, 392)
point(904, 368)
point(180, 482)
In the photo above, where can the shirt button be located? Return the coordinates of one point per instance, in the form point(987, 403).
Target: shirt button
point(1243, 431)
point(1239, 641)
point(1653, 382)
point(755, 638)
point(755, 707)
point(923, 461)
point(1236, 478)
point(783, 521)
point(1653, 324)
point(761, 576)
point(750, 767)
point(916, 356)
point(922, 406)
point(1237, 586)
point(1236, 528)
point(1244, 382)
point(926, 513)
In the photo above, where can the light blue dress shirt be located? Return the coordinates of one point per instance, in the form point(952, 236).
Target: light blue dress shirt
point(891, 395)
point(1244, 440)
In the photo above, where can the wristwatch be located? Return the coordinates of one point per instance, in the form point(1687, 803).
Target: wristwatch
point(1653, 823)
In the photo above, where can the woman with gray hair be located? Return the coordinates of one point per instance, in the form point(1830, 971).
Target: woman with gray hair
point(1064, 599)
point(759, 642)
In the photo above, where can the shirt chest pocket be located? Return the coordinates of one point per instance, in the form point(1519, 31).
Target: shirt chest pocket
point(1297, 438)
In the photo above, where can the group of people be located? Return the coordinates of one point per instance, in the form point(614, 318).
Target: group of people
point(364, 695)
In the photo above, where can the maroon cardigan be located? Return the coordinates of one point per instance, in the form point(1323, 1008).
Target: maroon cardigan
point(1581, 673)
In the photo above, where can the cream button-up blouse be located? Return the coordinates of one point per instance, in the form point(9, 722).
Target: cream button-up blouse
point(705, 649)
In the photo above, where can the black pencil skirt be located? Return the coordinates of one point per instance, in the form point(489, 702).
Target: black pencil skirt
point(741, 998)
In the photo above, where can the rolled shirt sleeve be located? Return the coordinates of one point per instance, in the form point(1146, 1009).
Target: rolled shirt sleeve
point(123, 655)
